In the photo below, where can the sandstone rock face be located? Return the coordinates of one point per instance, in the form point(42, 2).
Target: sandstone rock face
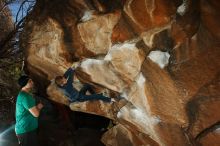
point(120, 136)
point(96, 31)
point(161, 56)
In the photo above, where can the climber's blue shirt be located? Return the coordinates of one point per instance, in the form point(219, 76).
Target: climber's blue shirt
point(69, 90)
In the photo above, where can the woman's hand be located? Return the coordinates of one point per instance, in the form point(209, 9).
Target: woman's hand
point(40, 106)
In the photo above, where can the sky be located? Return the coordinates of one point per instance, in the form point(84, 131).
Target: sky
point(14, 7)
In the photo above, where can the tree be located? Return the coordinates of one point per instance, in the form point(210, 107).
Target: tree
point(9, 42)
point(11, 56)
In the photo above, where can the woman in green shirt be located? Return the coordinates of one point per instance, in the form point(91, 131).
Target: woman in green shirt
point(27, 113)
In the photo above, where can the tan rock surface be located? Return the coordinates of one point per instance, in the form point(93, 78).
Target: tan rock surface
point(161, 56)
point(120, 136)
point(212, 139)
point(95, 32)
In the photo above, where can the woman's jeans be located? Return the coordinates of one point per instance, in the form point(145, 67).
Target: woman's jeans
point(83, 97)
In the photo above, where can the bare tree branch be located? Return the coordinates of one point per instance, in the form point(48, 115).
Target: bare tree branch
point(9, 44)
point(2, 9)
point(20, 9)
point(5, 4)
point(11, 35)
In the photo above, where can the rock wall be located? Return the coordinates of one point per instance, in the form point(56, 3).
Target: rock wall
point(161, 56)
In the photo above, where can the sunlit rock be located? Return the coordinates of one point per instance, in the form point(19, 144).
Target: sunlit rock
point(142, 114)
point(115, 64)
point(212, 138)
point(99, 72)
point(120, 136)
point(151, 37)
point(126, 64)
point(181, 10)
point(205, 101)
point(95, 31)
point(161, 56)
point(46, 48)
point(94, 107)
point(156, 13)
point(186, 25)
point(142, 120)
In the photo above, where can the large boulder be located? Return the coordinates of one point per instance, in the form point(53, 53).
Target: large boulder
point(161, 56)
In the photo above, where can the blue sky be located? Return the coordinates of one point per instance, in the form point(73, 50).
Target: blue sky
point(14, 7)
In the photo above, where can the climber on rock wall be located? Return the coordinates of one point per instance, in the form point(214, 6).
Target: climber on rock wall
point(65, 83)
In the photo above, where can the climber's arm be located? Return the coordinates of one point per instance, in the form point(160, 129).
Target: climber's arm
point(69, 75)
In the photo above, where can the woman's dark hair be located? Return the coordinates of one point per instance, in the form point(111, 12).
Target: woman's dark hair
point(23, 80)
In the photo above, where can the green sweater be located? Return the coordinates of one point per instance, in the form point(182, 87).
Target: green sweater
point(25, 121)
